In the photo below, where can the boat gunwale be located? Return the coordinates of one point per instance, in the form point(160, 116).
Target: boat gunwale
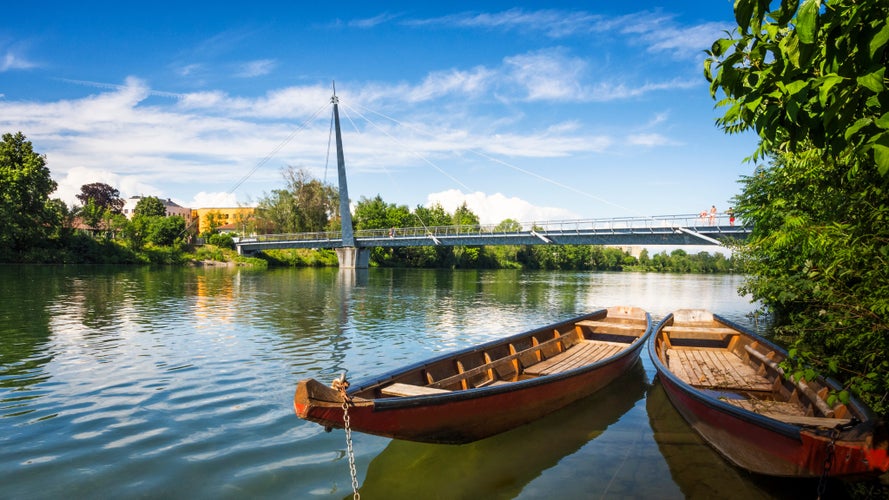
point(389, 403)
point(787, 429)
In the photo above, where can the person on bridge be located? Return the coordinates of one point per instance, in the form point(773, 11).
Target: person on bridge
point(731, 216)
point(712, 215)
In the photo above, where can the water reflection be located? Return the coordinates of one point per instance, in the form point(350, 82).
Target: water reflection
point(500, 466)
point(172, 382)
point(701, 472)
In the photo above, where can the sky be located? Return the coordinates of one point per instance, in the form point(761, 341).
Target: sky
point(529, 111)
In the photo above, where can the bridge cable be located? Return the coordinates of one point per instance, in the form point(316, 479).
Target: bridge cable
point(277, 148)
point(527, 172)
point(329, 138)
point(418, 155)
point(262, 162)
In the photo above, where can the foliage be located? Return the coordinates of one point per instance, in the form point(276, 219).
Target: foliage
point(305, 205)
point(300, 257)
point(221, 240)
point(810, 80)
point(102, 196)
point(819, 256)
point(164, 231)
point(150, 206)
point(808, 75)
point(27, 215)
point(377, 214)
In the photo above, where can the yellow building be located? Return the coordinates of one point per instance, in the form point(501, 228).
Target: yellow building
point(212, 218)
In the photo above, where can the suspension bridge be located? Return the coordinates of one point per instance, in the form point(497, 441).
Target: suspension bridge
point(353, 247)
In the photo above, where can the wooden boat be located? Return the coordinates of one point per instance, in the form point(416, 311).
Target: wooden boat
point(486, 389)
point(727, 383)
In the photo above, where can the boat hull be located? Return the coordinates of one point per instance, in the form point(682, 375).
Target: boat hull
point(768, 446)
point(459, 416)
point(455, 420)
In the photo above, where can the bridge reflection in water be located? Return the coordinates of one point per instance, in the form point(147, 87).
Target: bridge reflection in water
point(674, 230)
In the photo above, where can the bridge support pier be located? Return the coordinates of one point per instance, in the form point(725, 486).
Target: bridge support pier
point(353, 257)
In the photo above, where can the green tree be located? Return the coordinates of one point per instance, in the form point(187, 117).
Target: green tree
point(808, 75)
point(375, 213)
point(165, 231)
point(27, 216)
point(304, 205)
point(809, 79)
point(150, 206)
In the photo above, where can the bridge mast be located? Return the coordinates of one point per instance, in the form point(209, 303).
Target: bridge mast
point(349, 255)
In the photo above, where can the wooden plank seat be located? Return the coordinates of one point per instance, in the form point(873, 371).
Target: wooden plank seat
point(405, 390)
point(786, 412)
point(700, 329)
point(559, 344)
point(715, 369)
point(610, 324)
point(586, 352)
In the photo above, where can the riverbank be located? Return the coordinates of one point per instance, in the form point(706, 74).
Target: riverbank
point(86, 250)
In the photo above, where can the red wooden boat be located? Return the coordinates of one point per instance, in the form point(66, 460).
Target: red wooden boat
point(486, 389)
point(727, 383)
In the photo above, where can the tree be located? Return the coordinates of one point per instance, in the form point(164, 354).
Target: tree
point(150, 206)
point(305, 205)
point(165, 231)
point(810, 80)
point(27, 216)
point(377, 214)
point(102, 196)
point(807, 75)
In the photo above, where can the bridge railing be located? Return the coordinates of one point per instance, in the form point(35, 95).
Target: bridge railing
point(692, 221)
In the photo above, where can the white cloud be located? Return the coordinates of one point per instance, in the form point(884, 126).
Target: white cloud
point(13, 58)
point(372, 22)
point(649, 140)
point(213, 200)
point(554, 23)
point(658, 31)
point(495, 208)
point(256, 68)
point(68, 184)
point(546, 75)
point(440, 83)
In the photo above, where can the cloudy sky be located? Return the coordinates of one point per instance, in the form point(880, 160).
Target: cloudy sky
point(532, 111)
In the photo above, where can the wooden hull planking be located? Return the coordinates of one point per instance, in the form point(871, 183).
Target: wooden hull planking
point(794, 447)
point(462, 416)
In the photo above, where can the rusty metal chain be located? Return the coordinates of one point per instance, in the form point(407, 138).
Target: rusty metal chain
point(341, 384)
point(828, 461)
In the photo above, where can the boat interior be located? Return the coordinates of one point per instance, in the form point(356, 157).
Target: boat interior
point(542, 352)
point(728, 365)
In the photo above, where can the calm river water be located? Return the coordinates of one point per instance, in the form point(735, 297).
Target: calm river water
point(178, 383)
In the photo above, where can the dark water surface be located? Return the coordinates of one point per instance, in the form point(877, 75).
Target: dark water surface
point(178, 383)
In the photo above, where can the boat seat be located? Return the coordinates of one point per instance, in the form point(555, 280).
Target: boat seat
point(584, 353)
point(407, 390)
point(715, 369)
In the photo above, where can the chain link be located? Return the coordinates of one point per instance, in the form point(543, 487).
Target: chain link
point(341, 384)
point(828, 461)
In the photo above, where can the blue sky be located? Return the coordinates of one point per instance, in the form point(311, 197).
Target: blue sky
point(556, 110)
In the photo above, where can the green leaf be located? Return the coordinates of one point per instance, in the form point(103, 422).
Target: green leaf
point(881, 156)
point(785, 13)
point(879, 40)
point(794, 87)
point(826, 84)
point(873, 81)
point(743, 12)
point(807, 21)
point(883, 121)
point(856, 127)
point(721, 46)
point(789, 46)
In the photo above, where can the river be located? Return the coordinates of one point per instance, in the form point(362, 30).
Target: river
point(178, 383)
